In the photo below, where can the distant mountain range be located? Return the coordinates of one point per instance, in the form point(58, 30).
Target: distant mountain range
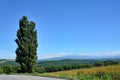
point(81, 57)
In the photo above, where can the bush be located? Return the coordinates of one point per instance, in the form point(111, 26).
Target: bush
point(39, 69)
point(1, 70)
point(10, 69)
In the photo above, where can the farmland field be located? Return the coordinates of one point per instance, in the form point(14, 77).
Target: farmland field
point(94, 73)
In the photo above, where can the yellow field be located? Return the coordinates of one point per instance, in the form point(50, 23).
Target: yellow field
point(109, 69)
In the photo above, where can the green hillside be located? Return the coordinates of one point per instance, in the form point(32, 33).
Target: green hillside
point(66, 62)
point(5, 62)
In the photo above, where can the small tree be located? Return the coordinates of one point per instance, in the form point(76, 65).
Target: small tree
point(26, 53)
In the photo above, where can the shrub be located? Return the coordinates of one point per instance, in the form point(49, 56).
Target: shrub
point(39, 69)
point(1, 70)
point(9, 69)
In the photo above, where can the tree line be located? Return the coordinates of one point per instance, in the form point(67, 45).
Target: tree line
point(8, 69)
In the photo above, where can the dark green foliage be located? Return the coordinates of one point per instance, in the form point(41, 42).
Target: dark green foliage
point(69, 64)
point(27, 45)
point(65, 67)
point(106, 63)
point(66, 62)
point(40, 69)
point(10, 69)
point(109, 62)
point(98, 64)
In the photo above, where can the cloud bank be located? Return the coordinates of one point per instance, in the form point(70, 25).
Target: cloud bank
point(63, 54)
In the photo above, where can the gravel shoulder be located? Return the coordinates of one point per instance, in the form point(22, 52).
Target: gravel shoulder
point(26, 77)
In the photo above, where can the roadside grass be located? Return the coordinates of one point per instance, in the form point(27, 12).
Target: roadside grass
point(94, 73)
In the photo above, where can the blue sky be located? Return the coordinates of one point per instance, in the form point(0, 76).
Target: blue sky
point(64, 26)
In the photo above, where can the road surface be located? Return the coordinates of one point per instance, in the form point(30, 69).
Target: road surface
point(25, 77)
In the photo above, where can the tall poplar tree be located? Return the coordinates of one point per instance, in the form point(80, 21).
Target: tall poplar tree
point(26, 53)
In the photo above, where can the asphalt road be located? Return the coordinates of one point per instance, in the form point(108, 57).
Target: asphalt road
point(25, 77)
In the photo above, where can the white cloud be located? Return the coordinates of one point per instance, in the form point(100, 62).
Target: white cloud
point(62, 54)
point(103, 54)
point(11, 55)
point(115, 53)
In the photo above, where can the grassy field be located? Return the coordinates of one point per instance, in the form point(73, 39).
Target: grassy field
point(94, 73)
